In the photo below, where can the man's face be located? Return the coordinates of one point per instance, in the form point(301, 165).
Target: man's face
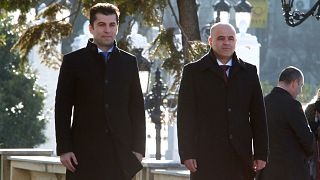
point(297, 87)
point(223, 41)
point(104, 30)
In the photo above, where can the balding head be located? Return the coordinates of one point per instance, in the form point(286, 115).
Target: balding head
point(222, 40)
point(291, 79)
point(223, 26)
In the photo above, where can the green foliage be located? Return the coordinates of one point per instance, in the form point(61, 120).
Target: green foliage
point(266, 87)
point(2, 40)
point(308, 92)
point(50, 32)
point(21, 125)
point(47, 35)
point(24, 5)
point(149, 11)
point(165, 48)
point(304, 97)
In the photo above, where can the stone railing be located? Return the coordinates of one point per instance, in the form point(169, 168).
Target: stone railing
point(5, 163)
point(171, 174)
point(50, 168)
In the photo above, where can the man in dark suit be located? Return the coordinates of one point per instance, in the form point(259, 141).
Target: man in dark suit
point(99, 88)
point(220, 112)
point(291, 140)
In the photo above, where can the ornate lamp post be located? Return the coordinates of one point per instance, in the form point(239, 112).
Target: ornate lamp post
point(221, 11)
point(243, 15)
point(296, 17)
point(153, 103)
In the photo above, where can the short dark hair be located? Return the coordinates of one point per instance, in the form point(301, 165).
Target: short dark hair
point(290, 74)
point(103, 8)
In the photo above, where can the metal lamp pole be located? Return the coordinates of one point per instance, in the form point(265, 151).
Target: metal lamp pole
point(154, 101)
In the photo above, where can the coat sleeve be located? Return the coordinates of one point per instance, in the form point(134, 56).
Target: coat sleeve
point(258, 122)
point(64, 102)
point(299, 125)
point(186, 117)
point(137, 113)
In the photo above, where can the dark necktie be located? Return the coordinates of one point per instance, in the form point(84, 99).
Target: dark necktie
point(105, 55)
point(225, 69)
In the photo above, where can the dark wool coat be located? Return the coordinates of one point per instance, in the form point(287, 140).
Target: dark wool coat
point(106, 104)
point(291, 140)
point(311, 112)
point(217, 121)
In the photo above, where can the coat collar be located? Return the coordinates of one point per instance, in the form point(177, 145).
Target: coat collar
point(94, 49)
point(209, 61)
point(279, 90)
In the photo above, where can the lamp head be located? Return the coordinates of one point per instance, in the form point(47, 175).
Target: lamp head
point(221, 11)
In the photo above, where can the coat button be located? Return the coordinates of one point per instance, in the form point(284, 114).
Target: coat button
point(230, 136)
point(229, 109)
point(106, 82)
point(106, 131)
point(106, 106)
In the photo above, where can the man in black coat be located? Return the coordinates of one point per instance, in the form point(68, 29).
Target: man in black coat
point(291, 140)
point(313, 116)
point(221, 112)
point(99, 88)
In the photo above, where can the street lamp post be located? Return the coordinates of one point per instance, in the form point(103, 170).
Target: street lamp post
point(153, 103)
point(221, 11)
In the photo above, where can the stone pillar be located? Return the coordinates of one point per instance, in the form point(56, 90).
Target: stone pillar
point(172, 151)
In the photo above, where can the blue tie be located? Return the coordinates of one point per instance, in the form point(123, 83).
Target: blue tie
point(105, 55)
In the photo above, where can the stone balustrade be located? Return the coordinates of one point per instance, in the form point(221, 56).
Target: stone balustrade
point(162, 174)
point(5, 163)
point(49, 168)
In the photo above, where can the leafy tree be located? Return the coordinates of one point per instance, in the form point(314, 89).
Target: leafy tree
point(266, 87)
point(51, 30)
point(21, 100)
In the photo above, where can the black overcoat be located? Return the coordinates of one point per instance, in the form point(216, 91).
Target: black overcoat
point(311, 112)
point(291, 140)
point(217, 121)
point(99, 112)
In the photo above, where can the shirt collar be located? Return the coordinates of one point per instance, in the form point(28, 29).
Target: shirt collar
point(110, 50)
point(229, 63)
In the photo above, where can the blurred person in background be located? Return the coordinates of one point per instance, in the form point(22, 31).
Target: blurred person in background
point(313, 115)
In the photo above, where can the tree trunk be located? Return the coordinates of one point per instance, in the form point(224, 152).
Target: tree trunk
point(188, 19)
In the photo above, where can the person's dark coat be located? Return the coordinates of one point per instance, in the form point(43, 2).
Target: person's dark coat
point(311, 117)
point(217, 121)
point(290, 138)
point(107, 109)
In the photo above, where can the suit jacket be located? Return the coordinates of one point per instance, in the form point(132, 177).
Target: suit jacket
point(106, 104)
point(217, 121)
point(291, 140)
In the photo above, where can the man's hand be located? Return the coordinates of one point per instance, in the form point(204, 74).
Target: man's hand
point(191, 164)
point(138, 155)
point(68, 160)
point(258, 165)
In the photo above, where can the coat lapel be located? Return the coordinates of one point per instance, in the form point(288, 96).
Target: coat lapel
point(209, 63)
point(237, 65)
